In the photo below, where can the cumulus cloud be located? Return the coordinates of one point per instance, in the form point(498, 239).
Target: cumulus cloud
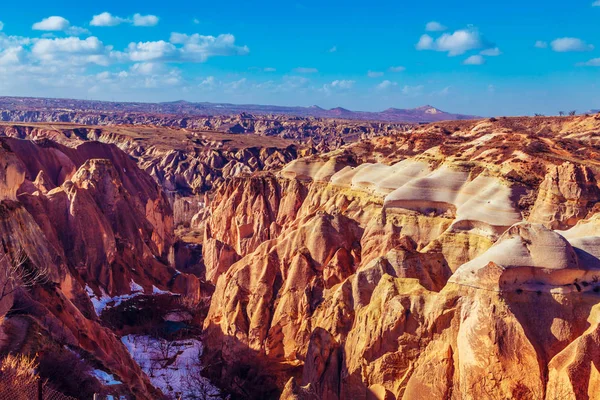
point(386, 84)
point(50, 61)
point(374, 74)
point(58, 24)
point(594, 62)
point(434, 26)
point(456, 43)
point(54, 23)
point(107, 19)
point(569, 44)
point(145, 20)
point(198, 48)
point(72, 50)
point(12, 56)
point(540, 44)
point(305, 70)
point(397, 69)
point(152, 51)
point(474, 60)
point(1, 25)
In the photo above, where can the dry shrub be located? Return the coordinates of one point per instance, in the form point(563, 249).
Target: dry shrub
point(17, 377)
point(19, 366)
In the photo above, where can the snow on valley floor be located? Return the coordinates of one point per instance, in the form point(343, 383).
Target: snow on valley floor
point(172, 366)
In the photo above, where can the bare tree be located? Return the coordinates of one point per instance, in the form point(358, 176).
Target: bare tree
point(572, 113)
point(195, 385)
point(561, 113)
point(19, 272)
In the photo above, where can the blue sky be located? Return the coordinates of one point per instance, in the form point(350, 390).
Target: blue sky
point(509, 58)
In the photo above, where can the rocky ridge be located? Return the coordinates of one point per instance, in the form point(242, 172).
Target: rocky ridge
point(99, 230)
point(458, 260)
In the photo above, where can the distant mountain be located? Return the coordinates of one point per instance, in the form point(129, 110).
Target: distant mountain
point(425, 113)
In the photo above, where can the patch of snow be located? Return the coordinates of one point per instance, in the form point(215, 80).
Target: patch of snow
point(105, 377)
point(105, 301)
point(172, 366)
point(156, 290)
point(135, 287)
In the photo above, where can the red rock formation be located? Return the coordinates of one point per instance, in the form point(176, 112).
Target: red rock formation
point(102, 224)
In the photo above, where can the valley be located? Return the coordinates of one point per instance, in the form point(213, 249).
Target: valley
point(456, 260)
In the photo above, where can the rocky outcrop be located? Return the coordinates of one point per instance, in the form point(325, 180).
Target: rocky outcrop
point(12, 175)
point(568, 193)
point(98, 227)
point(426, 289)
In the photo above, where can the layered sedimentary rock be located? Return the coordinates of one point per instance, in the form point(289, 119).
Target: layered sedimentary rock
point(422, 265)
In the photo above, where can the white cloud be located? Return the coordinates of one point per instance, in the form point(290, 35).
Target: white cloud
point(474, 60)
point(491, 52)
point(107, 19)
point(145, 20)
point(152, 51)
point(339, 85)
point(594, 62)
point(1, 25)
point(54, 23)
point(196, 21)
point(425, 42)
point(454, 44)
point(342, 84)
point(12, 56)
point(596, 3)
point(434, 26)
point(198, 48)
point(333, 49)
point(540, 44)
point(374, 74)
point(397, 69)
point(58, 24)
point(51, 63)
point(305, 70)
point(72, 50)
point(269, 69)
point(568, 44)
point(386, 84)
point(148, 68)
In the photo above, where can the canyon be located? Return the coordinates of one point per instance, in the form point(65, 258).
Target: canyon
point(452, 260)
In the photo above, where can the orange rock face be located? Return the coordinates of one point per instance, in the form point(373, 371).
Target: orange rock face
point(457, 261)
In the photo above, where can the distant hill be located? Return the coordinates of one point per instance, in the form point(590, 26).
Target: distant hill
point(420, 114)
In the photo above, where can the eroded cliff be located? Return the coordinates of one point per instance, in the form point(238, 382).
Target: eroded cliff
point(420, 265)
